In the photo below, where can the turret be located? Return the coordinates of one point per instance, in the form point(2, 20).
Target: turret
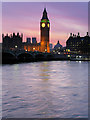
point(70, 34)
point(2, 35)
point(87, 34)
point(18, 34)
point(78, 34)
point(45, 14)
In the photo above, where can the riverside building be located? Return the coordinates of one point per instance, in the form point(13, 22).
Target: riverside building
point(78, 44)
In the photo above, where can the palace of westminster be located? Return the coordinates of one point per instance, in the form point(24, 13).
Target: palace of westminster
point(15, 41)
point(74, 43)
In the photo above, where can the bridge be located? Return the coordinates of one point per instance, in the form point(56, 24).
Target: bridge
point(10, 57)
point(24, 56)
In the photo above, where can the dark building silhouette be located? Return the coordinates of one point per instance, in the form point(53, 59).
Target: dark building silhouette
point(12, 42)
point(28, 40)
point(34, 41)
point(78, 44)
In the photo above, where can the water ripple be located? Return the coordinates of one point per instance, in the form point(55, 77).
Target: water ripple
point(45, 89)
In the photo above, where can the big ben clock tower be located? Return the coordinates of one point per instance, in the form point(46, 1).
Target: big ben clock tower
point(45, 27)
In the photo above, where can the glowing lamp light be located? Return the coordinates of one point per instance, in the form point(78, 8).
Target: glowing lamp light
point(45, 50)
point(67, 50)
point(58, 52)
point(33, 48)
point(15, 46)
point(68, 55)
point(80, 56)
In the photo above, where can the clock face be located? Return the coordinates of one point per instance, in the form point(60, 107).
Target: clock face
point(43, 24)
point(48, 25)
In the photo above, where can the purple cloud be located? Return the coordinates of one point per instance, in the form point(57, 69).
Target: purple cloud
point(65, 17)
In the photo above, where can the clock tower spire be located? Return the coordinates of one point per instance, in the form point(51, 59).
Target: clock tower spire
point(44, 29)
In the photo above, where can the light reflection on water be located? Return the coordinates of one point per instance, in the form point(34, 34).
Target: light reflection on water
point(45, 89)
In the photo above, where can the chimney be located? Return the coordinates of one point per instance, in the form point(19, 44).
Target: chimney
point(18, 34)
point(22, 35)
point(78, 34)
point(2, 35)
point(87, 33)
point(73, 35)
point(13, 34)
point(70, 34)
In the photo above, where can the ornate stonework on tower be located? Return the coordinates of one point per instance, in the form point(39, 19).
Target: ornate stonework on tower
point(45, 28)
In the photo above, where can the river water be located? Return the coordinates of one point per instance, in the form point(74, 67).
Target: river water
point(45, 90)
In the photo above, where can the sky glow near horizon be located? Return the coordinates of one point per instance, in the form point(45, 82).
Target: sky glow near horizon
point(65, 17)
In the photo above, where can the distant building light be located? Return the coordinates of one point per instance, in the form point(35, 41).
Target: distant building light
point(45, 50)
point(67, 50)
point(33, 48)
point(15, 46)
point(68, 55)
point(80, 56)
point(58, 52)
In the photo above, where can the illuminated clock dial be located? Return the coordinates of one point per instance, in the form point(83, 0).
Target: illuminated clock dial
point(48, 25)
point(43, 24)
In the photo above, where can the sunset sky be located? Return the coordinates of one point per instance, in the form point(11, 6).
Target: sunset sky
point(65, 17)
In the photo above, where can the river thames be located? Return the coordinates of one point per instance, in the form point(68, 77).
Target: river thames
point(45, 90)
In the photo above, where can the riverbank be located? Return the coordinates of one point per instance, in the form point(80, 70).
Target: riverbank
point(8, 58)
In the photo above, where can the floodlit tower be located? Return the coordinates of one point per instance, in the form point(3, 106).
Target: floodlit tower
point(45, 28)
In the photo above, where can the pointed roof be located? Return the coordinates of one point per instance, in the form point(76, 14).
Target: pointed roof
point(45, 14)
point(57, 45)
